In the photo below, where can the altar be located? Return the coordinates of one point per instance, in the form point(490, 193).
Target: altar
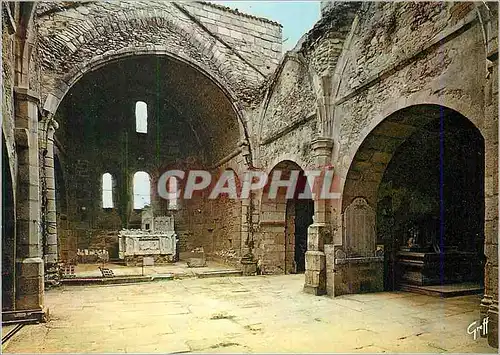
point(156, 239)
point(424, 260)
point(432, 268)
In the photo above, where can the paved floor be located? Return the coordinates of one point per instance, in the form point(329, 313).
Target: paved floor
point(247, 314)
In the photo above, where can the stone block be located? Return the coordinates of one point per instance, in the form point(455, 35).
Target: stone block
point(315, 283)
point(491, 158)
point(197, 262)
point(491, 208)
point(493, 325)
point(29, 287)
point(315, 274)
point(491, 280)
point(491, 185)
point(491, 231)
point(491, 252)
point(315, 260)
point(316, 234)
point(223, 31)
point(249, 267)
point(29, 302)
point(29, 268)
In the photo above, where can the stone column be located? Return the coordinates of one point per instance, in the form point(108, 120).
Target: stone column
point(319, 232)
point(29, 264)
point(489, 303)
point(248, 262)
point(49, 196)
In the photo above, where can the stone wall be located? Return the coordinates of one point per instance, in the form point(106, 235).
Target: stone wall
point(418, 65)
point(382, 57)
point(21, 158)
point(349, 79)
point(76, 37)
point(256, 39)
point(490, 133)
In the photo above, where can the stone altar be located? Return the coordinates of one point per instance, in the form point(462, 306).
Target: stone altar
point(158, 241)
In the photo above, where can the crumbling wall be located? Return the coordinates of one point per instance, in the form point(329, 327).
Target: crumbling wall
point(238, 50)
point(418, 59)
point(383, 57)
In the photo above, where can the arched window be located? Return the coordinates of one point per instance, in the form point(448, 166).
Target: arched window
point(142, 190)
point(173, 203)
point(107, 191)
point(141, 117)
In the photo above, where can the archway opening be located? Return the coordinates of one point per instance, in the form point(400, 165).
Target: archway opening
point(286, 214)
point(422, 172)
point(147, 113)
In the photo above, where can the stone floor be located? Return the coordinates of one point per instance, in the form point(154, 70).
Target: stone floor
point(246, 314)
point(178, 269)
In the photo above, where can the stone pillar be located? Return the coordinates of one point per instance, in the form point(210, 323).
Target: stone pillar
point(245, 227)
point(247, 204)
point(49, 196)
point(319, 232)
point(489, 304)
point(29, 264)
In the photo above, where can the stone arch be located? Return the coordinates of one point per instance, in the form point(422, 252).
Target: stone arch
point(56, 94)
point(465, 106)
point(373, 165)
point(294, 158)
point(68, 53)
point(486, 14)
point(283, 223)
point(396, 114)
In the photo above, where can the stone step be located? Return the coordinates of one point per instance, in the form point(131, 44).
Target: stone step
point(220, 273)
point(79, 281)
point(449, 290)
point(115, 280)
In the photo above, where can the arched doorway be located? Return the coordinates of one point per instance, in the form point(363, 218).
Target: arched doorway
point(8, 233)
point(285, 218)
point(148, 113)
point(422, 171)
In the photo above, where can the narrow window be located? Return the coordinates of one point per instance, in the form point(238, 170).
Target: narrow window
point(107, 191)
point(142, 190)
point(172, 188)
point(141, 117)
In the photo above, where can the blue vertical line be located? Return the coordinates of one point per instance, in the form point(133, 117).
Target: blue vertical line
point(441, 194)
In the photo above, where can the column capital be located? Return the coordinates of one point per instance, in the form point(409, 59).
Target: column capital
point(53, 124)
point(49, 122)
point(321, 143)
